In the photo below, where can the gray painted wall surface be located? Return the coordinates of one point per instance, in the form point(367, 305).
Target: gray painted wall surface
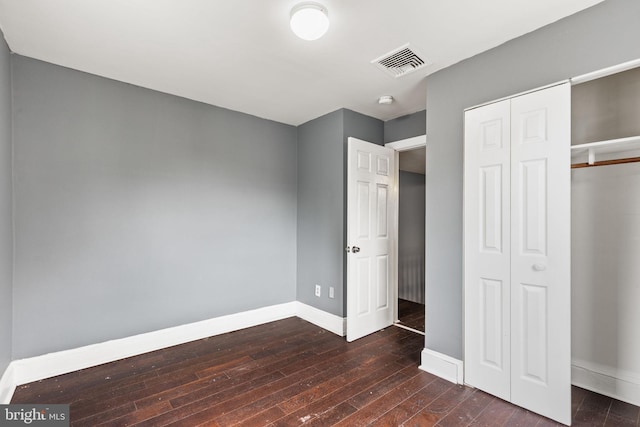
point(604, 35)
point(136, 210)
point(606, 108)
point(405, 127)
point(362, 127)
point(411, 237)
point(6, 226)
point(322, 149)
point(320, 211)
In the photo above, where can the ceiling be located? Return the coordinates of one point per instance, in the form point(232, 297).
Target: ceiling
point(241, 54)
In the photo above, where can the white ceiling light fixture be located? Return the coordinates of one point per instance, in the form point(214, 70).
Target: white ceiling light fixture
point(385, 100)
point(309, 20)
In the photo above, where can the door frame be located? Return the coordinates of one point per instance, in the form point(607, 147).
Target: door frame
point(399, 146)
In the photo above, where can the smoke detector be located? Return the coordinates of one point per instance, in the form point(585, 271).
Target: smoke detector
point(401, 61)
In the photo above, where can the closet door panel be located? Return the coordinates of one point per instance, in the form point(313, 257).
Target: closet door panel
point(487, 248)
point(540, 252)
point(533, 206)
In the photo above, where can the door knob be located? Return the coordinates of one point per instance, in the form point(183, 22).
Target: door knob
point(539, 267)
point(355, 249)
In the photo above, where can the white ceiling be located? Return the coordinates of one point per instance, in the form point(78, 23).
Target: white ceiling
point(241, 54)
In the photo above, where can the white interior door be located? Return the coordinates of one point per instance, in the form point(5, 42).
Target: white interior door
point(517, 251)
point(541, 252)
point(487, 248)
point(371, 212)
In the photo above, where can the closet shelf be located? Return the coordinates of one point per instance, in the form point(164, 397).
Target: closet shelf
point(610, 146)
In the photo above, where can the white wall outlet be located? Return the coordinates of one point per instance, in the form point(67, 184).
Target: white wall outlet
point(332, 291)
point(318, 290)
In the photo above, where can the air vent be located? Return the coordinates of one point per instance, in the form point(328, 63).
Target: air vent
point(400, 62)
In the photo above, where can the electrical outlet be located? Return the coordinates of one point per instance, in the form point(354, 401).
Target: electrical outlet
point(318, 290)
point(332, 292)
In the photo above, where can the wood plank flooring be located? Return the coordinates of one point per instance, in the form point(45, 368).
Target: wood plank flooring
point(290, 373)
point(411, 314)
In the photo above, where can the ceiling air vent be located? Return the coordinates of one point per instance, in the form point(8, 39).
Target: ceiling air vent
point(400, 61)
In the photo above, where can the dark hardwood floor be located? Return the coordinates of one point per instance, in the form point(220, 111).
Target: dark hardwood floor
point(289, 373)
point(411, 314)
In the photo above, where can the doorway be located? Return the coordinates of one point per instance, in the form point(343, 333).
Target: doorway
point(411, 159)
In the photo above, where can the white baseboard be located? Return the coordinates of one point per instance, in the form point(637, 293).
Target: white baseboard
point(443, 366)
point(621, 385)
point(62, 362)
point(328, 321)
point(24, 371)
point(7, 385)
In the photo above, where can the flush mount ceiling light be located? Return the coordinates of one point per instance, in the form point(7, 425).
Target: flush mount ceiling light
point(385, 100)
point(309, 21)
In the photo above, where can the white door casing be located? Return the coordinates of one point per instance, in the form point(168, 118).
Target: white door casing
point(517, 250)
point(371, 214)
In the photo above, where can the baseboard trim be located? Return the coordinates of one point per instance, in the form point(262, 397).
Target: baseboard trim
point(7, 385)
point(62, 362)
point(605, 380)
point(328, 321)
point(36, 368)
point(443, 366)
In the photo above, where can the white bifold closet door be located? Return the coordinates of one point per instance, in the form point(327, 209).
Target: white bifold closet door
point(517, 250)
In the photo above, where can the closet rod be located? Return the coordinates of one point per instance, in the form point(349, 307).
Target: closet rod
point(606, 162)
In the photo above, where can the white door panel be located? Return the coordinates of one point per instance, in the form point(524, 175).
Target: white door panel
point(517, 250)
point(541, 263)
point(371, 210)
point(487, 250)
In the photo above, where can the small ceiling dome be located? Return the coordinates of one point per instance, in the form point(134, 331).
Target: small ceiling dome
point(309, 20)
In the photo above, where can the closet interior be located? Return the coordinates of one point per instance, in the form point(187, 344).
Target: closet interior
point(605, 230)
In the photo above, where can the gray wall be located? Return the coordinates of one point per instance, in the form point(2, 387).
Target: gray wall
point(136, 210)
point(322, 148)
point(362, 127)
point(411, 224)
point(606, 108)
point(405, 127)
point(320, 211)
point(601, 36)
point(6, 227)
